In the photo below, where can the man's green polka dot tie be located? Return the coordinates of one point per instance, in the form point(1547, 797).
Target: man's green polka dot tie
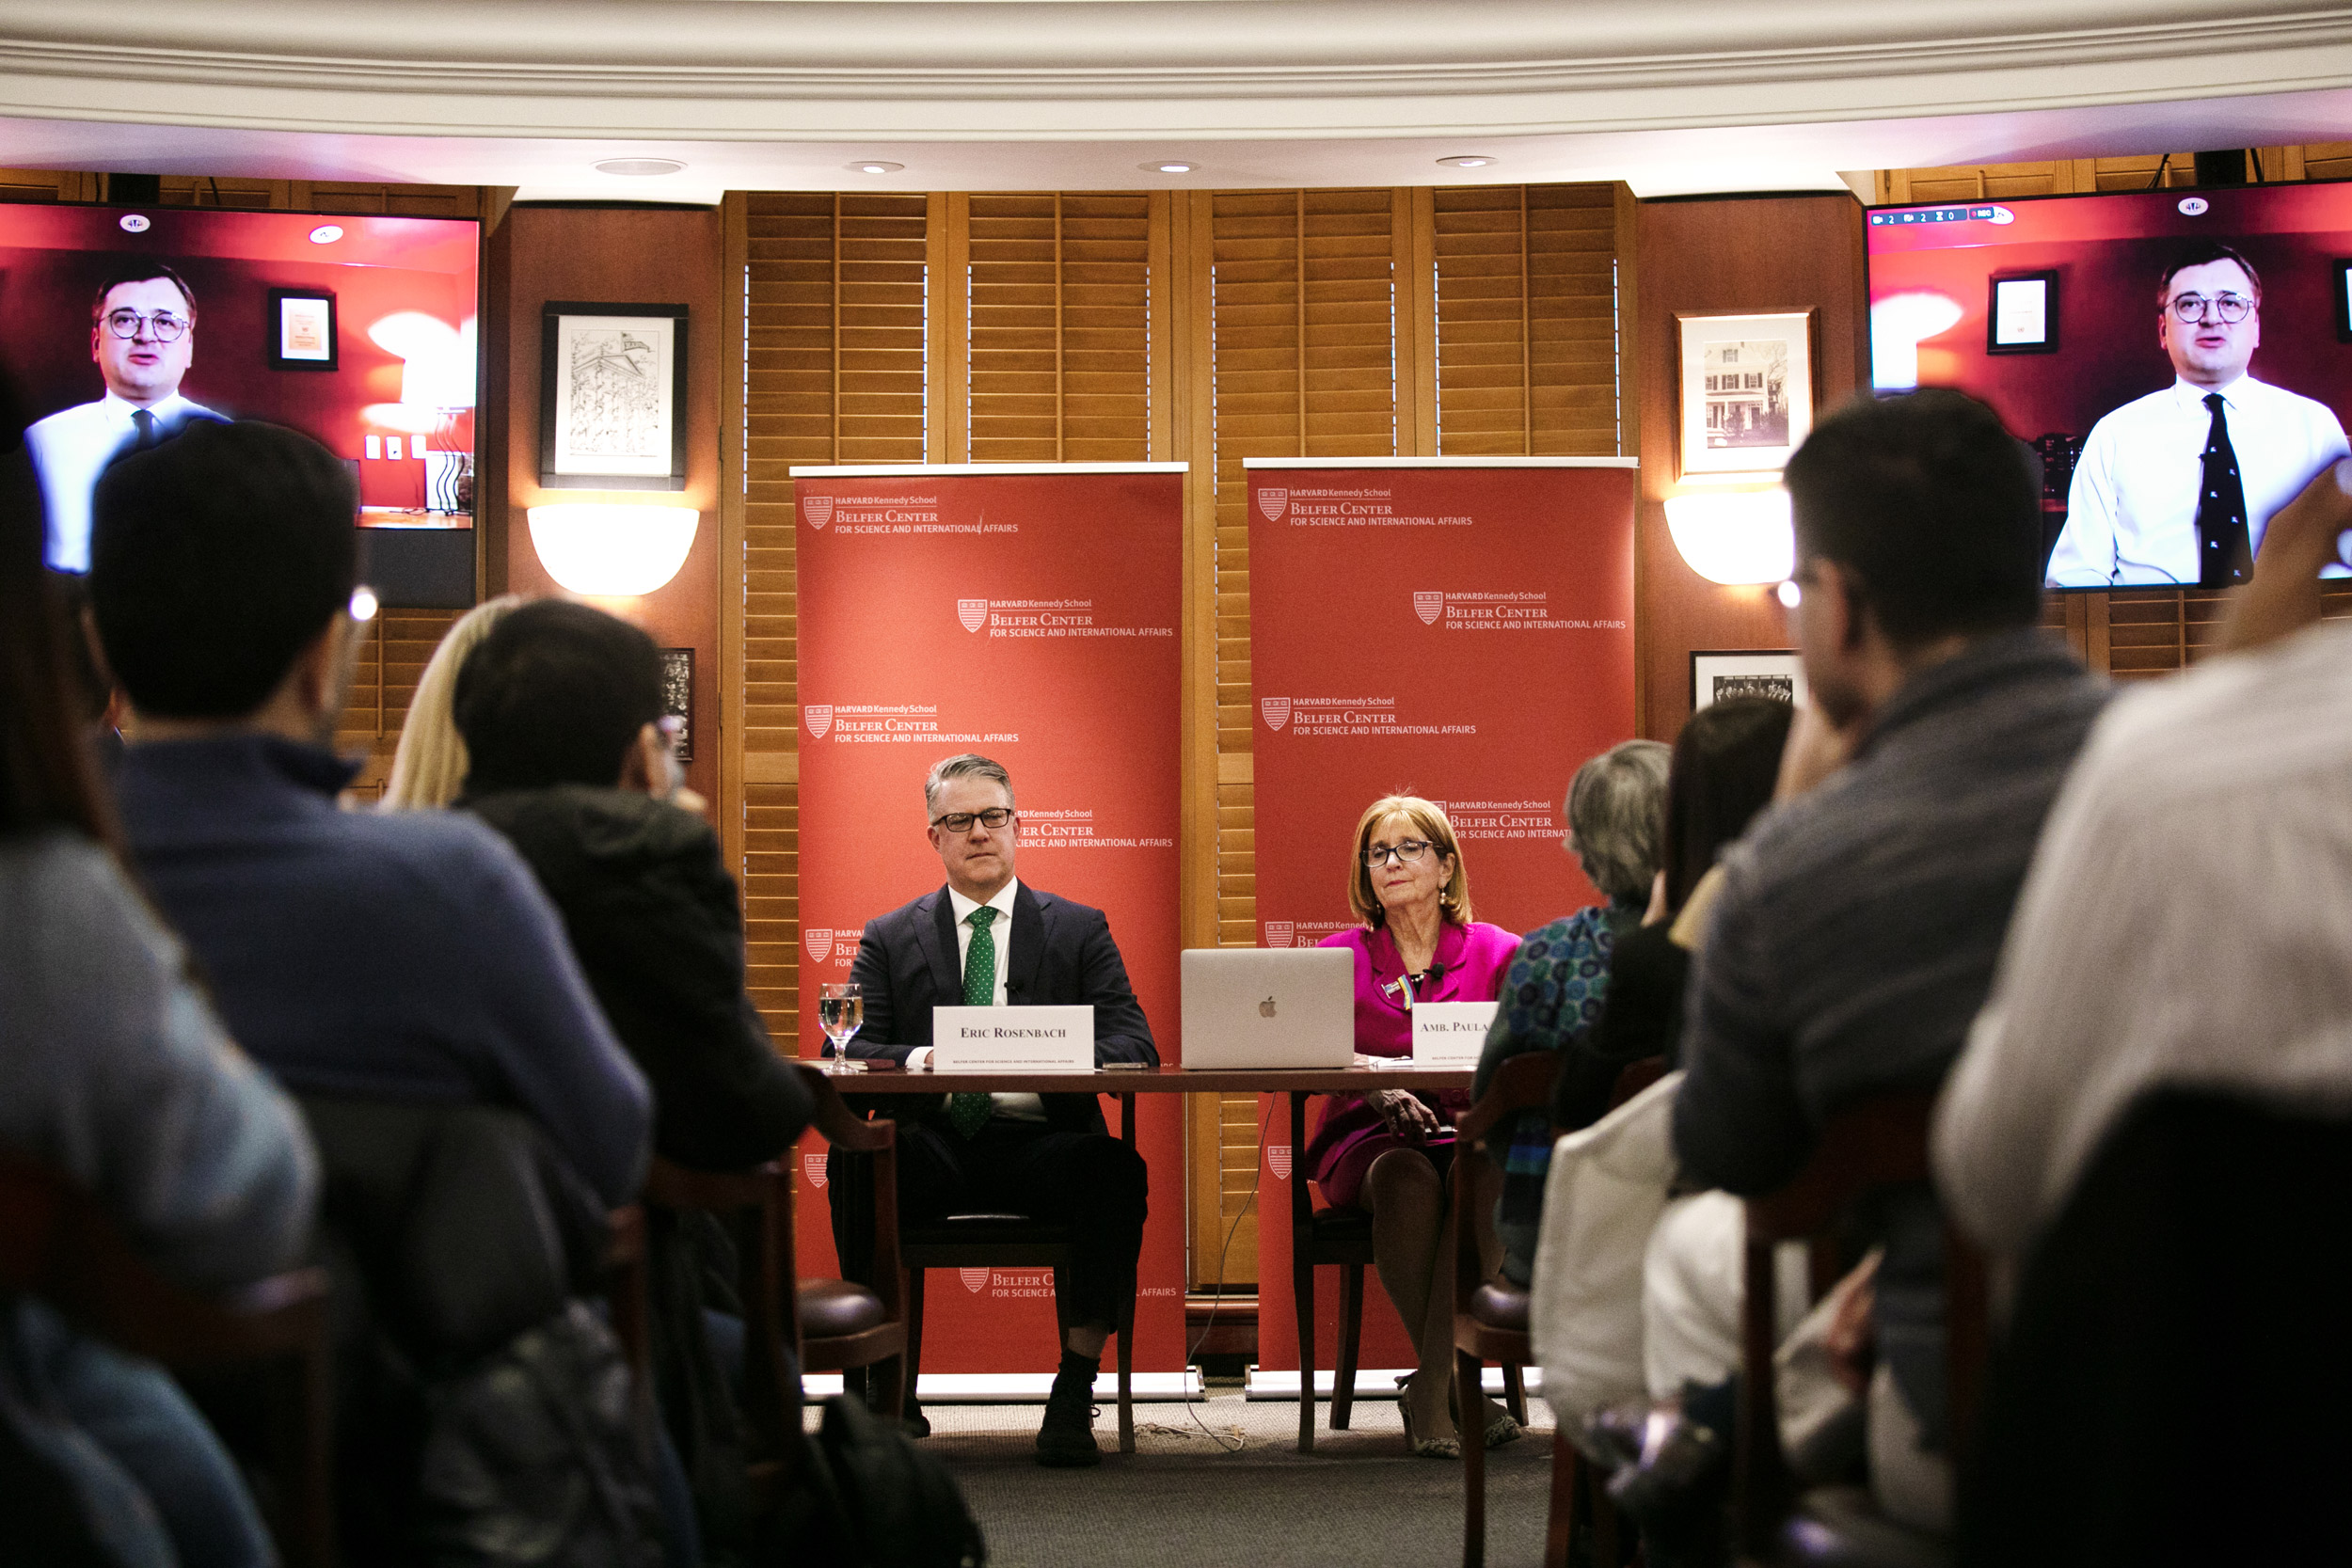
point(969, 1113)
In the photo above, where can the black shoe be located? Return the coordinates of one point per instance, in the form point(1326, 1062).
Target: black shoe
point(914, 1422)
point(1066, 1440)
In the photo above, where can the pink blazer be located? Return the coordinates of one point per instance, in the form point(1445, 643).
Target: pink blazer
point(1469, 964)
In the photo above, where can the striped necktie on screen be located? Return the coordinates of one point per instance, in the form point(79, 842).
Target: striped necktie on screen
point(969, 1113)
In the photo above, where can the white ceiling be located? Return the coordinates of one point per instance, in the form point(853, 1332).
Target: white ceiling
point(1683, 96)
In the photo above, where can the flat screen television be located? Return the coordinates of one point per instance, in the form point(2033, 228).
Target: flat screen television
point(358, 331)
point(2048, 308)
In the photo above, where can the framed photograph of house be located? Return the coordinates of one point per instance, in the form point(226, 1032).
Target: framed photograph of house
point(302, 330)
point(612, 396)
point(1746, 672)
point(1747, 389)
point(677, 698)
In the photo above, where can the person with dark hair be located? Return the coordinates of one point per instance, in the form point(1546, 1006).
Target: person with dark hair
point(987, 939)
point(118, 1076)
point(1725, 762)
point(142, 334)
point(408, 958)
point(2178, 488)
point(1554, 989)
point(1856, 930)
point(558, 709)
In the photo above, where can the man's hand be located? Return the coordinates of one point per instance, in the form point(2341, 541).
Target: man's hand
point(1407, 1118)
point(1816, 748)
point(2302, 537)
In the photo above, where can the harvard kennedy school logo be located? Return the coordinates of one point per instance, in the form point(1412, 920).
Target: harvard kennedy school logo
point(1278, 933)
point(1428, 603)
point(1277, 1160)
point(1277, 711)
point(817, 717)
point(972, 612)
point(812, 1162)
point(818, 510)
point(1273, 500)
point(975, 1280)
point(819, 941)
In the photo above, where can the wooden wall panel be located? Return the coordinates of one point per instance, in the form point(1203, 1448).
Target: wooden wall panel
point(1780, 253)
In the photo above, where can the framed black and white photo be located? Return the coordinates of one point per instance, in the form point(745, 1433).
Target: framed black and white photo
point(302, 330)
point(1746, 672)
point(677, 697)
point(1747, 389)
point(2022, 314)
point(612, 396)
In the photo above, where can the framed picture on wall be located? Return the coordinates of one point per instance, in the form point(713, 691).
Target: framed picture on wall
point(302, 330)
point(677, 697)
point(2343, 301)
point(1747, 389)
point(2022, 314)
point(612, 396)
point(1746, 672)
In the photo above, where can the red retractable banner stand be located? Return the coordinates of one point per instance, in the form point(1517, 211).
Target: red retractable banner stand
point(1028, 614)
point(1456, 628)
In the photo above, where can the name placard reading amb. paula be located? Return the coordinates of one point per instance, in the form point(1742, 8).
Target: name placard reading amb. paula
point(1451, 1034)
point(1017, 1040)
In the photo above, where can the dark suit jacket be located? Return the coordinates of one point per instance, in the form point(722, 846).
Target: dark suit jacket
point(1062, 956)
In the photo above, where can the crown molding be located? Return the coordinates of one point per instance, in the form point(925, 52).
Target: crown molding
point(1048, 70)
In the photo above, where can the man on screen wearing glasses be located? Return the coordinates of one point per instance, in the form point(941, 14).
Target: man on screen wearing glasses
point(2175, 488)
point(143, 336)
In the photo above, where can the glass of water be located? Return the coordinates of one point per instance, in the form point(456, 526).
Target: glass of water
point(840, 1012)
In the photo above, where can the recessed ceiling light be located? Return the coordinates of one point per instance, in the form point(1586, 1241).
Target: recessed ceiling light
point(327, 234)
point(639, 165)
point(1471, 160)
point(875, 166)
point(1171, 166)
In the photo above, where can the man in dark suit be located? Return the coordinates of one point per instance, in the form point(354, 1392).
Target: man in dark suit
point(985, 940)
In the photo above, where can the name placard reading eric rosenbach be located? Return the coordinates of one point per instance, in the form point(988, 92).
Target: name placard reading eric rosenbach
point(1451, 1034)
point(1016, 1040)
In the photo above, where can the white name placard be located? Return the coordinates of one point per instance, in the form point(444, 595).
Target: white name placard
point(1451, 1034)
point(1014, 1039)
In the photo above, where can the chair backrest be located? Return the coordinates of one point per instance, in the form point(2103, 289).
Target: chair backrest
point(57, 1244)
point(1873, 1144)
point(1522, 1083)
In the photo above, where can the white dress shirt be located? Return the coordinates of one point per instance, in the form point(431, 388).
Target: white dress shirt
point(2131, 515)
point(2185, 922)
point(72, 447)
point(1020, 1107)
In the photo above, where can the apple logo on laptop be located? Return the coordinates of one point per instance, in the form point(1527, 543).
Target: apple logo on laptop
point(1265, 1008)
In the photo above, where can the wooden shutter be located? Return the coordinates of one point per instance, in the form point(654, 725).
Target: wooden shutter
point(1058, 298)
point(382, 684)
point(1527, 321)
point(833, 372)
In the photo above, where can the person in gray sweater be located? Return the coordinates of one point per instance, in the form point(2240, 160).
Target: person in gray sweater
point(116, 1074)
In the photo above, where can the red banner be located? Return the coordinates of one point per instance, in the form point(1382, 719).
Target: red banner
point(1030, 614)
point(1456, 628)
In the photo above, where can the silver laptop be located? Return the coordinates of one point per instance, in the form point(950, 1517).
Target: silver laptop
point(1269, 1007)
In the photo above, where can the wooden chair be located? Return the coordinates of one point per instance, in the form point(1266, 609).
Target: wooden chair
point(1014, 1242)
point(1490, 1315)
point(56, 1244)
point(1333, 1235)
point(832, 1325)
point(1878, 1142)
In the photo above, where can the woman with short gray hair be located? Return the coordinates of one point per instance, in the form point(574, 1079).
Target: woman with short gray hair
point(1553, 990)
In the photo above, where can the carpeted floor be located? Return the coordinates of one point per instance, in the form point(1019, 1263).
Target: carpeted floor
point(1183, 1501)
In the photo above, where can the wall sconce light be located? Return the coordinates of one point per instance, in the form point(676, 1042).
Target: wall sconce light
point(1734, 536)
point(1898, 324)
point(612, 552)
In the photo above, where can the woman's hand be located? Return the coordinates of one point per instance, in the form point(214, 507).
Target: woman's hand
point(1407, 1117)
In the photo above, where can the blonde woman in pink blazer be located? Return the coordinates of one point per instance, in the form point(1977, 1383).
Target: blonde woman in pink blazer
point(1392, 1151)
